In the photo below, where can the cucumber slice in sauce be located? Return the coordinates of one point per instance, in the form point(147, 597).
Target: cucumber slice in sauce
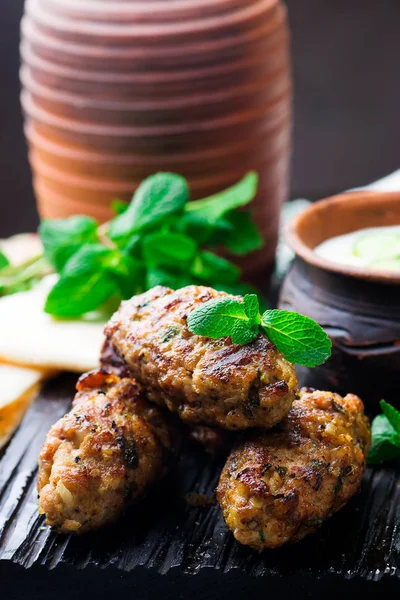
point(387, 265)
point(377, 246)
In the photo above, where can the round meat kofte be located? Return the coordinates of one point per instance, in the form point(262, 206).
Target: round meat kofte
point(214, 440)
point(103, 455)
point(213, 382)
point(278, 486)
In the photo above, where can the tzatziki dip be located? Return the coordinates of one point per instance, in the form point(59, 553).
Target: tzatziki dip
point(374, 247)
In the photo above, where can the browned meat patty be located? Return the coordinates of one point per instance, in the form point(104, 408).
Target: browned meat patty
point(215, 441)
point(206, 381)
point(103, 455)
point(278, 486)
point(110, 360)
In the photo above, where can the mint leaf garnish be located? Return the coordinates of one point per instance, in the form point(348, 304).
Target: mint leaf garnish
point(217, 318)
point(244, 332)
point(124, 272)
point(22, 277)
point(168, 249)
point(89, 257)
point(75, 295)
point(167, 277)
point(209, 267)
point(392, 415)
point(119, 207)
point(385, 435)
point(61, 238)
point(4, 262)
point(214, 207)
point(299, 338)
point(156, 198)
point(208, 220)
point(252, 308)
point(241, 235)
point(159, 238)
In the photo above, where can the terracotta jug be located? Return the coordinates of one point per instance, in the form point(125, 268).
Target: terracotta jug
point(115, 91)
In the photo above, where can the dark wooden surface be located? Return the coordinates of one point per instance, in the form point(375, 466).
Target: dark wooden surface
point(165, 543)
point(346, 106)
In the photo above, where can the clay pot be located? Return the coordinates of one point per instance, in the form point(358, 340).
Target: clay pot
point(121, 166)
point(358, 308)
point(91, 189)
point(113, 92)
point(160, 139)
point(125, 84)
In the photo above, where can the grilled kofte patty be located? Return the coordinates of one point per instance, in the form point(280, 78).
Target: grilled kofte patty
point(278, 486)
point(102, 455)
point(207, 381)
point(214, 440)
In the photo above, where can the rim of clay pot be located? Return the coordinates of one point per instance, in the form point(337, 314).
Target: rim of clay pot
point(272, 112)
point(104, 10)
point(338, 215)
point(264, 33)
point(141, 30)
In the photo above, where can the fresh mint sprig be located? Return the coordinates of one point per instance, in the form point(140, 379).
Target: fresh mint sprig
point(300, 339)
point(385, 435)
point(61, 238)
point(22, 277)
point(4, 262)
point(157, 198)
point(160, 238)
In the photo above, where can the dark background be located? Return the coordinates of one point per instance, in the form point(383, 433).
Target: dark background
point(346, 71)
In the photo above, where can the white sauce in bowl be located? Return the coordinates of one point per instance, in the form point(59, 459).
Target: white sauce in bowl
point(374, 248)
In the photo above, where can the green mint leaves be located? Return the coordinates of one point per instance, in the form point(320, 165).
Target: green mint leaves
point(61, 238)
point(75, 295)
point(22, 277)
point(299, 338)
point(90, 277)
point(157, 198)
point(217, 206)
point(385, 435)
point(168, 249)
point(220, 318)
point(4, 262)
point(160, 238)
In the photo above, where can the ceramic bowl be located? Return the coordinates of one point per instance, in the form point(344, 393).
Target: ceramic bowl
point(359, 308)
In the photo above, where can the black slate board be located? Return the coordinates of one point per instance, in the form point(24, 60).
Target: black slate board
point(159, 547)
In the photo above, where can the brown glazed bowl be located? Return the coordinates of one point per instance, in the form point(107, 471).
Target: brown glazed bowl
point(358, 308)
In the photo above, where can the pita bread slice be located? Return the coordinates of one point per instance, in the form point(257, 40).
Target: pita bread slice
point(18, 388)
point(31, 338)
